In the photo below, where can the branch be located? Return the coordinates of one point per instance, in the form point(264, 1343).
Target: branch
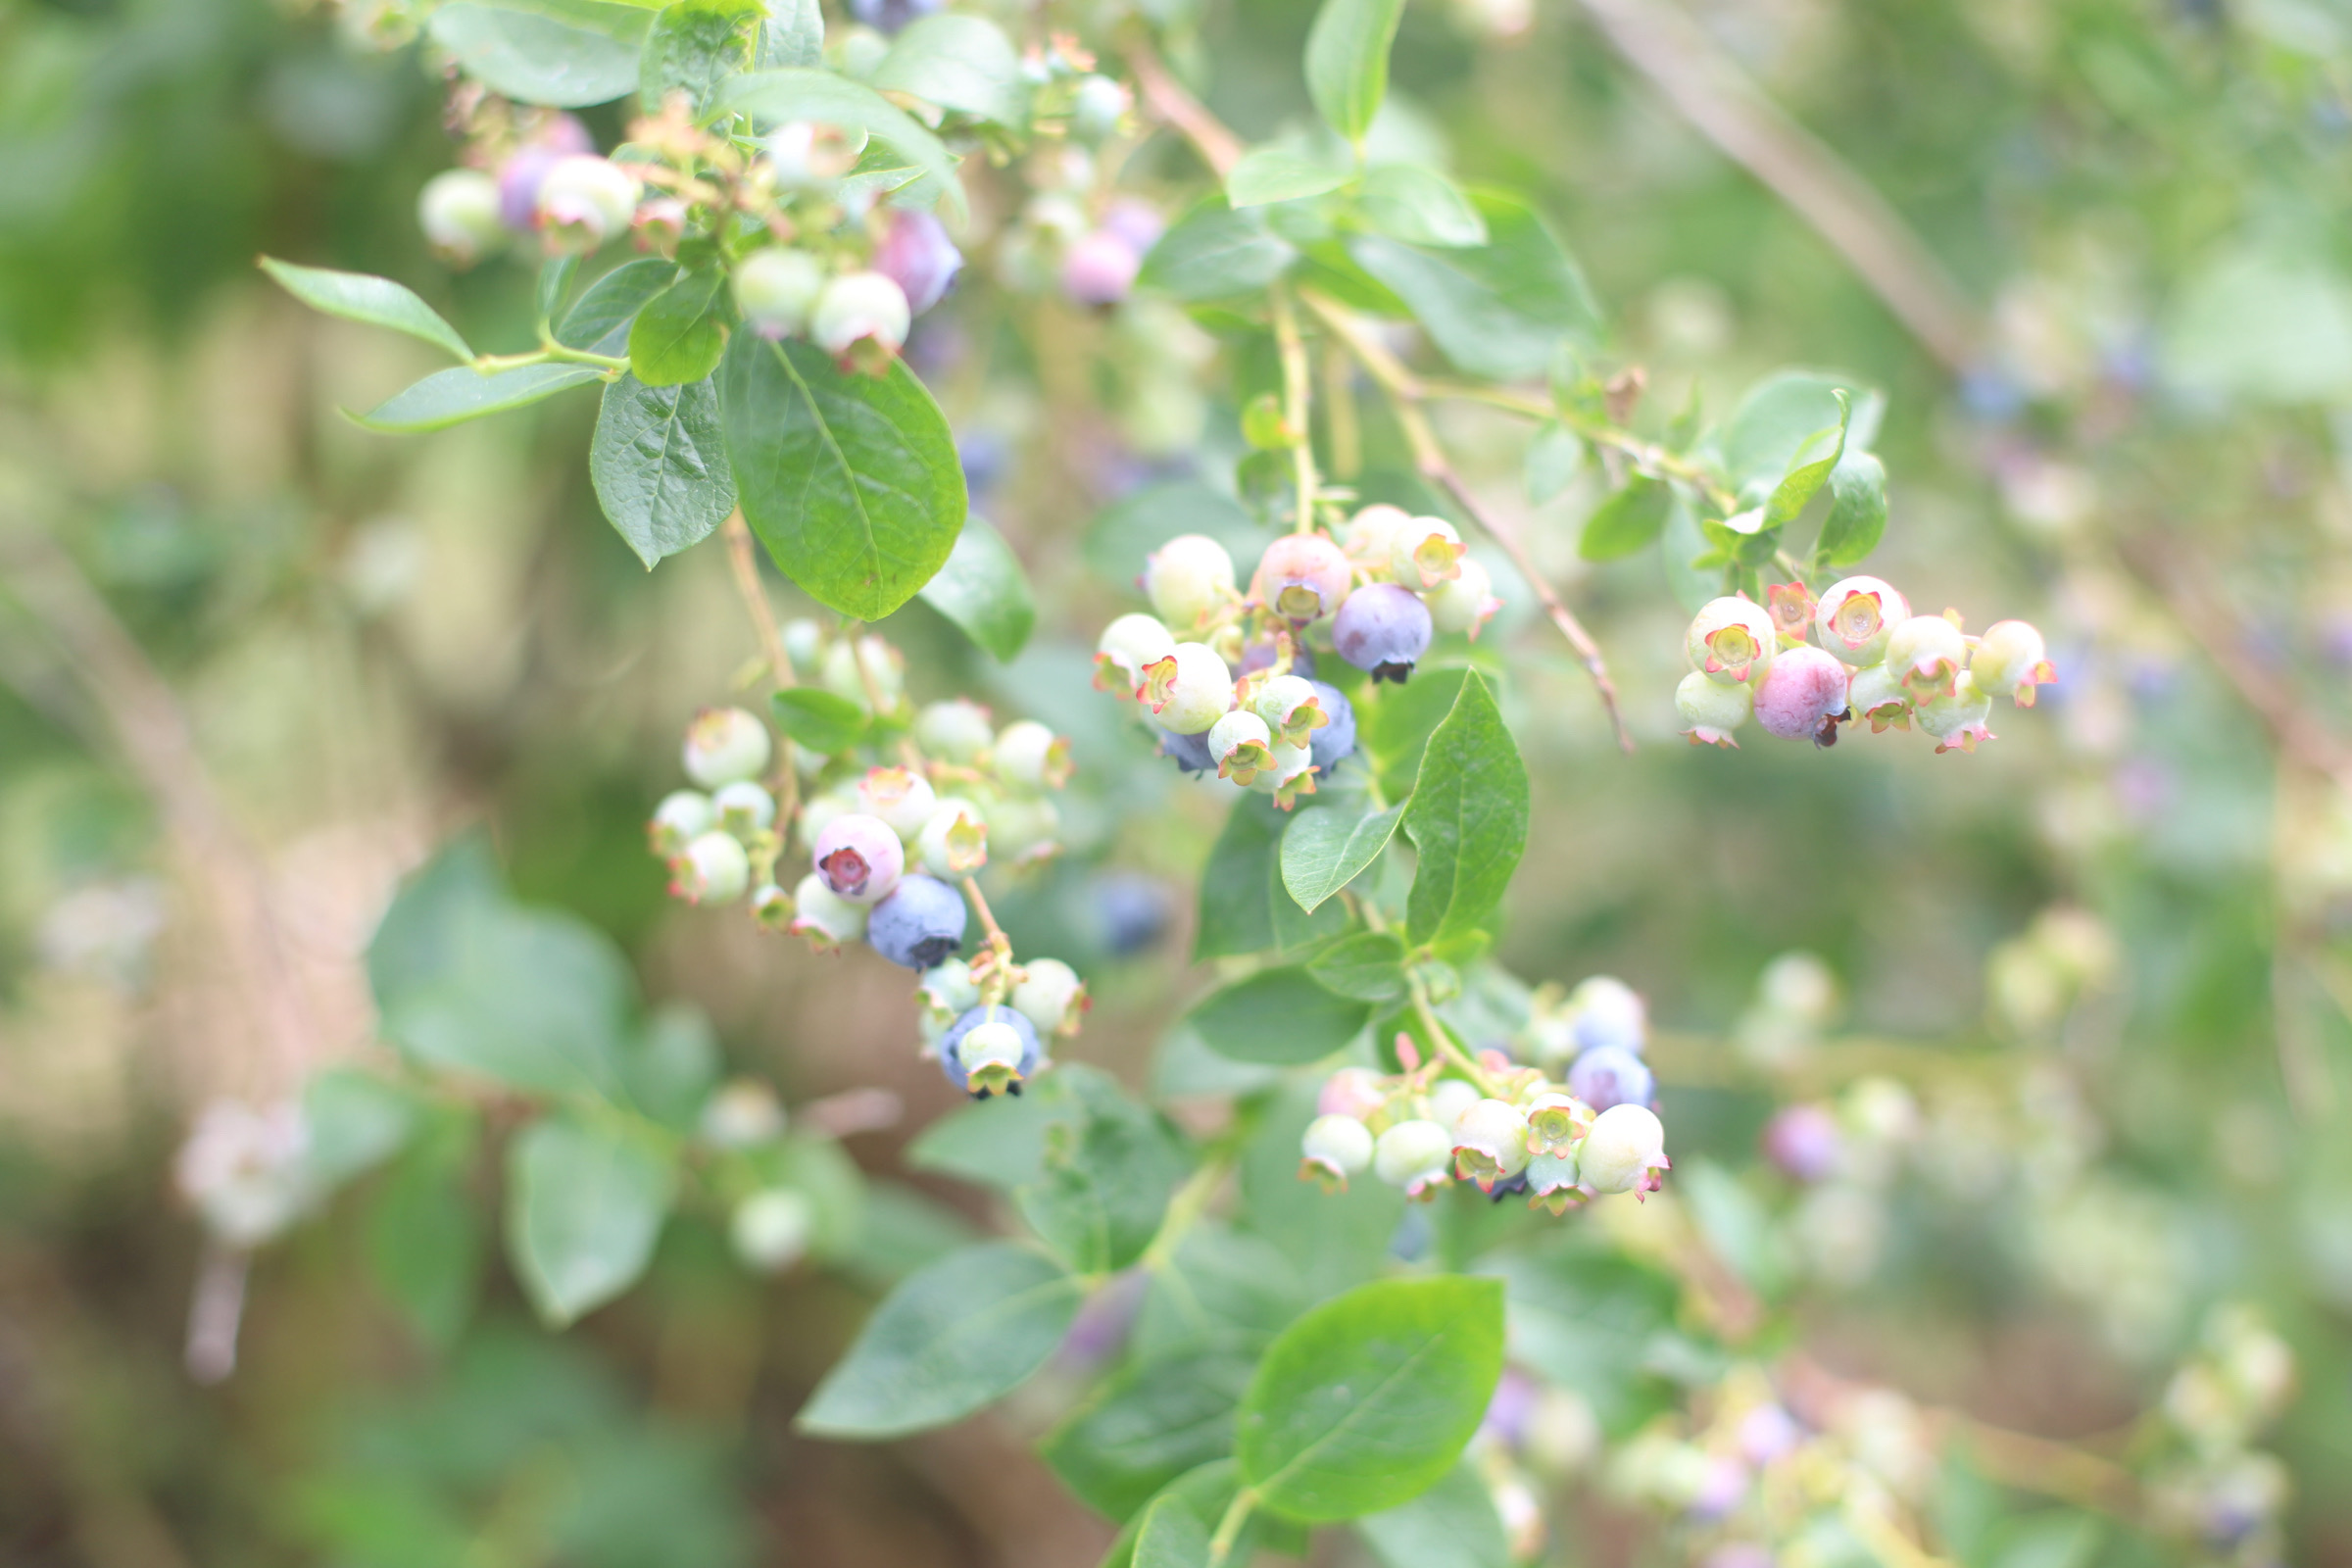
point(1406, 395)
point(1710, 91)
point(1174, 105)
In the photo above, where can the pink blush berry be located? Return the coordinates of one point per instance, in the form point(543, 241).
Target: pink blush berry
point(1801, 696)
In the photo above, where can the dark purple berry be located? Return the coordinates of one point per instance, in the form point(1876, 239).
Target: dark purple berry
point(1335, 742)
point(989, 1067)
point(919, 925)
point(1384, 630)
point(1611, 1075)
point(1191, 751)
point(1261, 656)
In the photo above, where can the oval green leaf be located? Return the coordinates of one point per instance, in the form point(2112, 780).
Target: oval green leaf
point(777, 96)
point(1273, 175)
point(365, 297)
point(676, 338)
point(983, 590)
point(1857, 519)
point(566, 57)
point(660, 465)
point(1367, 1401)
point(1628, 521)
point(1420, 207)
point(456, 395)
point(821, 720)
point(1279, 1016)
point(599, 321)
point(1348, 61)
point(1467, 819)
point(1215, 253)
point(1452, 1524)
point(960, 63)
point(950, 1339)
point(1326, 849)
point(852, 482)
point(1500, 309)
point(585, 1204)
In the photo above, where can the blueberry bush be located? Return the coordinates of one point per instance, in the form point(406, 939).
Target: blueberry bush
point(1385, 1228)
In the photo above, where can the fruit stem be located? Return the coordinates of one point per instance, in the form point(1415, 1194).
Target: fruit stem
point(988, 919)
point(744, 567)
point(1295, 403)
point(1229, 1528)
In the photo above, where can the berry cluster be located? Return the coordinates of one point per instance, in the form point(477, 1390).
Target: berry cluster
point(892, 823)
point(1875, 661)
point(1236, 694)
point(2215, 1485)
point(1559, 1143)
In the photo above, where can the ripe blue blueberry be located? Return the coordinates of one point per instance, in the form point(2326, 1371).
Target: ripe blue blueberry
point(889, 16)
point(1131, 909)
point(919, 924)
point(860, 857)
point(1189, 753)
point(989, 1051)
point(1335, 742)
point(917, 256)
point(1611, 1075)
point(1384, 630)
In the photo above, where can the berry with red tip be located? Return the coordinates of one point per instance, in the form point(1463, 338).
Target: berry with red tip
point(1128, 647)
point(776, 289)
point(1292, 709)
point(1712, 711)
point(1384, 630)
point(1611, 1075)
point(824, 916)
point(1957, 719)
point(1304, 577)
point(900, 797)
point(2011, 661)
point(1803, 696)
point(1856, 616)
point(1554, 1181)
point(860, 309)
point(1415, 1155)
point(1334, 1148)
point(1241, 745)
point(744, 808)
point(1291, 774)
point(1425, 551)
point(1490, 1142)
point(723, 745)
point(1624, 1152)
point(1188, 689)
point(1791, 611)
point(458, 212)
point(712, 870)
point(1731, 640)
point(956, 730)
point(1465, 602)
point(1926, 653)
point(1187, 579)
point(1050, 996)
point(920, 923)
point(1556, 1122)
point(954, 840)
point(1878, 696)
point(860, 857)
point(585, 201)
point(989, 1051)
point(916, 254)
point(682, 817)
point(1355, 1092)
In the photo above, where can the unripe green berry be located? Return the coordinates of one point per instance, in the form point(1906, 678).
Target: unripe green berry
point(1731, 640)
point(882, 664)
point(1424, 553)
point(860, 307)
point(1624, 1151)
point(1554, 1181)
point(1023, 828)
point(900, 797)
point(1372, 535)
point(683, 816)
point(1050, 996)
point(1926, 653)
point(957, 731)
point(585, 201)
point(1959, 718)
point(724, 744)
point(2010, 661)
point(1878, 696)
point(1188, 689)
point(744, 808)
point(1291, 774)
point(1856, 616)
point(771, 1230)
point(953, 842)
point(1291, 708)
point(1448, 1099)
point(804, 646)
point(1413, 1155)
point(712, 870)
point(1304, 577)
point(1128, 647)
point(1335, 1149)
point(1097, 108)
point(776, 289)
point(948, 990)
point(1187, 579)
point(1490, 1142)
point(1712, 710)
point(1030, 757)
point(458, 210)
point(824, 916)
point(1556, 1122)
point(1242, 746)
point(1464, 602)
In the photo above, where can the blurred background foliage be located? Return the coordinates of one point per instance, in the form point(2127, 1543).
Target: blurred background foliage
point(372, 645)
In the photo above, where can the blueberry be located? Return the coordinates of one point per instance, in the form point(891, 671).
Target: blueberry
point(860, 857)
point(917, 256)
point(1191, 751)
point(1131, 908)
point(1384, 630)
point(1261, 656)
point(919, 924)
point(889, 16)
point(1335, 742)
point(989, 1051)
point(1610, 1075)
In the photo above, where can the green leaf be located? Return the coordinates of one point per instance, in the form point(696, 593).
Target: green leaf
point(1367, 1401)
point(960, 63)
point(1348, 61)
point(1808, 472)
point(998, 1143)
point(1467, 819)
point(1500, 310)
point(1857, 519)
point(1553, 460)
point(1215, 253)
point(1737, 1225)
point(1333, 1243)
point(1585, 1318)
point(1393, 723)
point(1420, 207)
point(554, 284)
point(797, 93)
point(1628, 521)
point(792, 35)
point(599, 321)
point(1279, 1017)
point(1143, 520)
point(1327, 848)
point(1147, 1425)
point(676, 338)
point(1368, 966)
point(823, 721)
point(356, 1121)
point(362, 297)
point(1452, 1524)
point(425, 1235)
point(982, 589)
point(1779, 413)
point(585, 1204)
point(565, 56)
point(1266, 175)
point(1245, 908)
point(456, 395)
point(1107, 1173)
point(671, 1068)
point(660, 465)
point(1182, 1521)
point(852, 482)
point(692, 47)
point(950, 1339)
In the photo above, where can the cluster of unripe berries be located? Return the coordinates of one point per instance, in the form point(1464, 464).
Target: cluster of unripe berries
point(887, 843)
point(1228, 677)
point(553, 184)
point(1559, 1143)
point(1801, 666)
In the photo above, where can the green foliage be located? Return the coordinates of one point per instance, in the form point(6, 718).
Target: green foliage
point(1245, 904)
point(1503, 308)
point(982, 589)
point(1467, 819)
point(562, 53)
point(1452, 1524)
point(660, 464)
point(678, 336)
point(454, 397)
point(1148, 1424)
point(1107, 1168)
point(817, 718)
point(586, 1199)
point(799, 93)
point(1281, 1016)
point(1348, 61)
point(1216, 252)
point(374, 301)
point(960, 63)
point(1326, 849)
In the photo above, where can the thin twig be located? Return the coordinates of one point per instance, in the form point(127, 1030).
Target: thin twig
point(1295, 407)
point(744, 566)
point(1405, 396)
point(1172, 102)
point(1710, 91)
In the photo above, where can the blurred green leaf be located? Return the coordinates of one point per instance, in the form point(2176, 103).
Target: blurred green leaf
point(1146, 1425)
point(1420, 207)
point(1467, 819)
point(823, 721)
point(454, 396)
point(793, 34)
point(586, 1199)
point(1857, 518)
point(1108, 1168)
point(1779, 413)
point(676, 338)
point(1279, 1017)
point(959, 61)
point(983, 590)
point(1131, 529)
point(374, 301)
point(1628, 521)
point(693, 46)
point(426, 1235)
point(565, 54)
point(355, 1121)
point(659, 464)
point(1500, 309)
point(1244, 907)
point(1266, 175)
point(598, 322)
point(1215, 253)
point(1368, 966)
point(1452, 1524)
point(1348, 61)
point(774, 97)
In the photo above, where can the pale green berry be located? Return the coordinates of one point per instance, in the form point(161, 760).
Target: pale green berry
point(1856, 615)
point(1188, 689)
point(992, 1054)
point(1292, 709)
point(771, 907)
point(900, 797)
point(1878, 696)
point(957, 731)
point(1414, 1155)
point(1712, 710)
point(2010, 662)
point(1957, 719)
point(948, 990)
point(804, 646)
point(1731, 640)
point(1097, 108)
point(860, 307)
point(1049, 996)
point(824, 916)
point(770, 1231)
point(1448, 1099)
point(711, 869)
point(953, 842)
point(683, 816)
point(1554, 1181)
point(744, 808)
point(1242, 746)
point(1556, 1121)
point(881, 662)
point(742, 1113)
point(1372, 534)
point(1030, 757)
point(1023, 828)
point(1490, 1142)
point(818, 810)
point(1291, 774)
point(1187, 579)
point(723, 745)
point(458, 210)
point(585, 201)
point(1464, 602)
point(1334, 1148)
point(775, 289)
point(1926, 653)
point(1624, 1151)
point(1128, 647)
point(1425, 551)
